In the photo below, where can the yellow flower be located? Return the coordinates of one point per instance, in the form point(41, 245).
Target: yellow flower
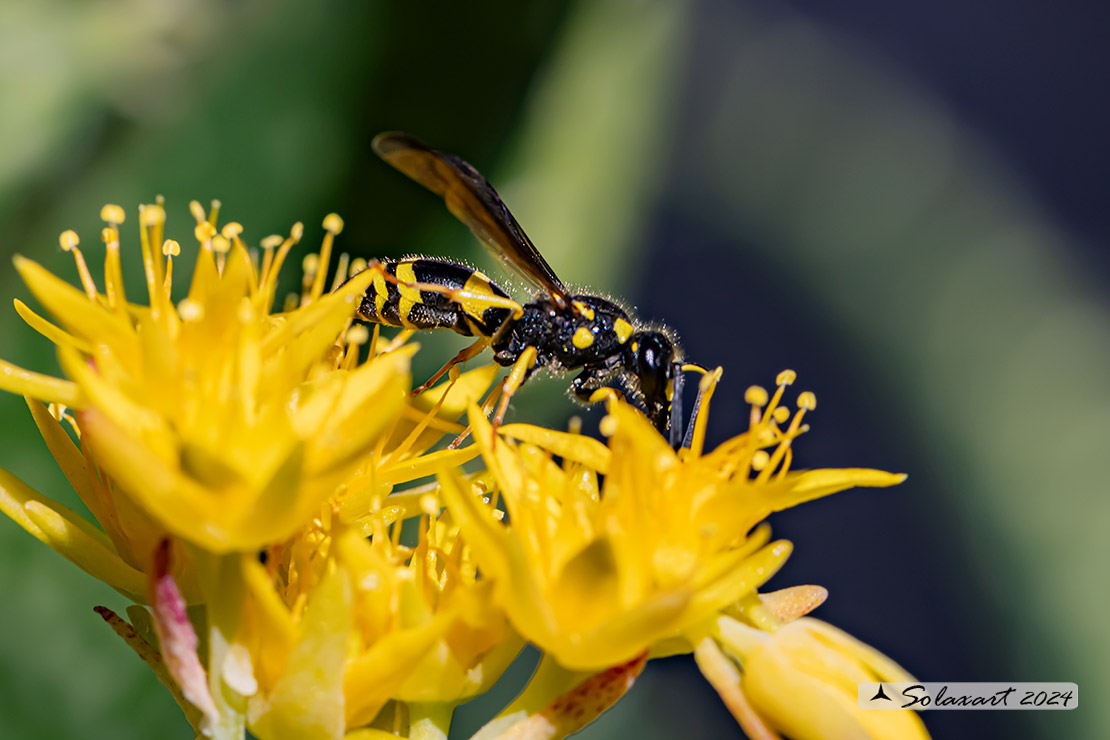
point(234, 430)
point(416, 625)
point(801, 680)
point(597, 574)
point(224, 423)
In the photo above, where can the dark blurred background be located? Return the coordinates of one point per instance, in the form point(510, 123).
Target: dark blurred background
point(904, 202)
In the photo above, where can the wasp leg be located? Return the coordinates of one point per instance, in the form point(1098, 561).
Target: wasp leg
point(589, 381)
point(522, 370)
point(487, 407)
point(467, 353)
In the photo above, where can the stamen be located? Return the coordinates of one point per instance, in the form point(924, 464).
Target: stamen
point(197, 210)
point(783, 379)
point(113, 214)
point(756, 396)
point(69, 241)
point(333, 224)
point(358, 264)
point(310, 267)
point(807, 400)
point(760, 458)
point(781, 414)
point(113, 274)
point(151, 219)
point(190, 310)
point(268, 287)
point(221, 246)
point(204, 232)
point(214, 213)
point(340, 271)
point(170, 249)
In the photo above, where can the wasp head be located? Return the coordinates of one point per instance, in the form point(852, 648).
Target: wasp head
point(652, 360)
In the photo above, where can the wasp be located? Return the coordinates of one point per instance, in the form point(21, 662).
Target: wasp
point(557, 330)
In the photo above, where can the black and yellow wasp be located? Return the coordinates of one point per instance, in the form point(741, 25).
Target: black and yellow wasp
point(555, 330)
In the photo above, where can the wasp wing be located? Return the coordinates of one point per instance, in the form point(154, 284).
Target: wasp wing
point(472, 200)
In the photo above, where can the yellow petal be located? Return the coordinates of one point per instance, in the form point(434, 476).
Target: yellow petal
point(72, 308)
point(55, 334)
point(68, 533)
point(307, 702)
point(576, 447)
point(15, 379)
point(814, 484)
point(89, 551)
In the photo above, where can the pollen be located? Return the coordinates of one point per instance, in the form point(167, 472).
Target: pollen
point(623, 330)
point(582, 338)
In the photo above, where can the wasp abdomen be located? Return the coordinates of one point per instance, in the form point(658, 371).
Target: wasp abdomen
point(470, 303)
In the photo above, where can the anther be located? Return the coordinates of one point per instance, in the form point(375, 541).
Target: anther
point(358, 334)
point(781, 414)
point(197, 210)
point(109, 235)
point(760, 459)
point(68, 239)
point(296, 232)
point(271, 241)
point(807, 400)
point(232, 230)
point(113, 214)
point(204, 231)
point(429, 504)
point(310, 264)
point(786, 377)
point(171, 248)
point(756, 396)
point(152, 215)
point(607, 426)
point(220, 244)
point(333, 224)
point(357, 265)
point(190, 310)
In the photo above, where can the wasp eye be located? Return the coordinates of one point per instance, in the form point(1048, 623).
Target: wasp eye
point(654, 355)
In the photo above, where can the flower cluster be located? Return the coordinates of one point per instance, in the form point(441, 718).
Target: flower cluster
point(307, 558)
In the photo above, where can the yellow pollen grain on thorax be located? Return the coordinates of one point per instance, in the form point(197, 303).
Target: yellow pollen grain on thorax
point(409, 296)
point(582, 338)
point(623, 330)
point(585, 310)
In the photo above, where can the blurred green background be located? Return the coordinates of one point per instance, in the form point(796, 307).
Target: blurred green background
point(904, 203)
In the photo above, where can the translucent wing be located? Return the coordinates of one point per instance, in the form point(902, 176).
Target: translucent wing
point(473, 201)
